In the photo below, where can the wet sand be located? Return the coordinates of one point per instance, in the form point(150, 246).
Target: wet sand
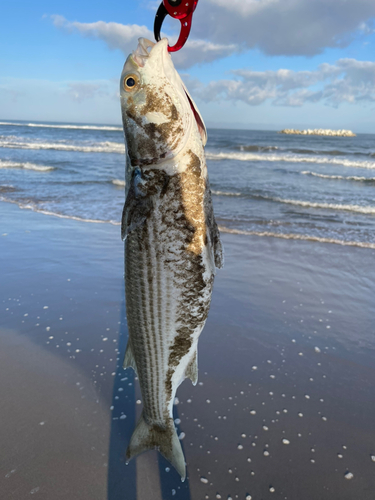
point(285, 403)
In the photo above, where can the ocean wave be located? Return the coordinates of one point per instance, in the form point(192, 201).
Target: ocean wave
point(71, 127)
point(35, 208)
point(301, 151)
point(290, 159)
point(26, 166)
point(118, 182)
point(256, 148)
point(224, 193)
point(293, 236)
point(340, 177)
point(332, 152)
point(330, 206)
point(13, 142)
point(7, 188)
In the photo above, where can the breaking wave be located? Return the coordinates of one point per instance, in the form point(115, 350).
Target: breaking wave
point(70, 127)
point(13, 142)
point(26, 166)
point(340, 177)
point(118, 182)
point(224, 193)
point(34, 208)
point(330, 206)
point(302, 237)
point(290, 159)
point(256, 148)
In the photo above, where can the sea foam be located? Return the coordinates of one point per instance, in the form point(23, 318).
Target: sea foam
point(26, 166)
point(34, 208)
point(302, 237)
point(340, 177)
point(118, 182)
point(330, 206)
point(290, 159)
point(14, 142)
point(69, 127)
point(224, 193)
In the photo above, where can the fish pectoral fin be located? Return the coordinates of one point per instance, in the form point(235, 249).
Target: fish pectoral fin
point(129, 361)
point(191, 371)
point(213, 230)
point(147, 437)
point(136, 210)
point(218, 250)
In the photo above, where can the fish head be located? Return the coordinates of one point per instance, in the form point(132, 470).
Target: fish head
point(158, 114)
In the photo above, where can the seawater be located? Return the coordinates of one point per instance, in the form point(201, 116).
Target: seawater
point(312, 188)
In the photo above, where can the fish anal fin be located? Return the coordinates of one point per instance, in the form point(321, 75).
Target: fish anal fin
point(147, 437)
point(129, 361)
point(191, 371)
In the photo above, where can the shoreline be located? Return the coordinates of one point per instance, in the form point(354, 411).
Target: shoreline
point(223, 229)
point(289, 319)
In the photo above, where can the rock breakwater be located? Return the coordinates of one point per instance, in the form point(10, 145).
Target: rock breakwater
point(319, 131)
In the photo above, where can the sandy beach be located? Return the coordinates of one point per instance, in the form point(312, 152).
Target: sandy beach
point(285, 404)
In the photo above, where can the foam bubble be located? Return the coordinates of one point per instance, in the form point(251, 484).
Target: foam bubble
point(67, 126)
point(118, 182)
point(25, 166)
point(302, 237)
point(340, 177)
point(13, 142)
point(290, 159)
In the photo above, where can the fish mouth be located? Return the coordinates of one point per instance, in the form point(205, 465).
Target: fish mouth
point(141, 55)
point(142, 52)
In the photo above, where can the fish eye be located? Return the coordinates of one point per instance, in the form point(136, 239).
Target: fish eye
point(130, 82)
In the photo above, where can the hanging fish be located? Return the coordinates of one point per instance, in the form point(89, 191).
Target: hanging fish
point(172, 242)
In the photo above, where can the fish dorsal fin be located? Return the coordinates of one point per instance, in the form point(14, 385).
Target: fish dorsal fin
point(192, 369)
point(129, 361)
point(147, 437)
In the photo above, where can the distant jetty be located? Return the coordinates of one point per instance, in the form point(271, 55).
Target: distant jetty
point(319, 131)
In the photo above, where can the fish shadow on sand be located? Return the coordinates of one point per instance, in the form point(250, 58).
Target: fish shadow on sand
point(143, 474)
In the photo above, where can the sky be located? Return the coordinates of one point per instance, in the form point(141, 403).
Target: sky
point(255, 64)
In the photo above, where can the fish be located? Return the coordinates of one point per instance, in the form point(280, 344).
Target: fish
point(172, 241)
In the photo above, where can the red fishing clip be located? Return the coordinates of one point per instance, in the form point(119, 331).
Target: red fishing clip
point(178, 9)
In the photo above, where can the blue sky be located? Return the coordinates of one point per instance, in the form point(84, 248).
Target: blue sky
point(255, 64)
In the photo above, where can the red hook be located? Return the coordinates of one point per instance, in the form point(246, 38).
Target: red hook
point(178, 9)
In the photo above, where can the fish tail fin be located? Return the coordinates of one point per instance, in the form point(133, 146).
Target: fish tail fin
point(147, 437)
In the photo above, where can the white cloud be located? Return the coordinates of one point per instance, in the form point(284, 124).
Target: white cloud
point(115, 35)
point(346, 81)
point(125, 38)
point(80, 91)
point(283, 27)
